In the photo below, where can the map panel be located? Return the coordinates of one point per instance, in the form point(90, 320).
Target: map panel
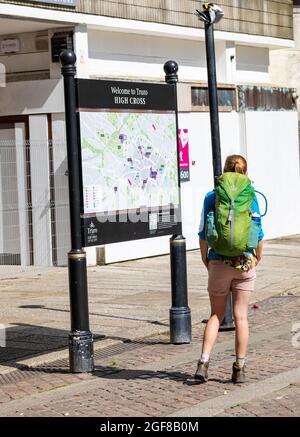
point(129, 160)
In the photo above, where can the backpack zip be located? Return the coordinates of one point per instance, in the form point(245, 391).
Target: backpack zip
point(231, 219)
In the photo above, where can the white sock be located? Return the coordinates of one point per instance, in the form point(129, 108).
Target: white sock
point(240, 362)
point(204, 357)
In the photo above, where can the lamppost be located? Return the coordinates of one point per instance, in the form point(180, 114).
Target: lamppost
point(210, 15)
point(80, 338)
point(180, 313)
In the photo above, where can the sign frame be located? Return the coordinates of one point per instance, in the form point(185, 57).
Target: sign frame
point(137, 97)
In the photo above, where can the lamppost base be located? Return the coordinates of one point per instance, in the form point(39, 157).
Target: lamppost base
point(229, 327)
point(180, 325)
point(228, 322)
point(81, 352)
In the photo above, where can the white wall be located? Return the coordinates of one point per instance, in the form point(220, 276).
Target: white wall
point(81, 48)
point(252, 64)
point(40, 190)
point(32, 97)
point(30, 62)
point(29, 58)
point(192, 192)
point(269, 140)
point(273, 157)
point(125, 55)
point(20, 136)
point(61, 186)
point(9, 217)
point(201, 182)
point(113, 54)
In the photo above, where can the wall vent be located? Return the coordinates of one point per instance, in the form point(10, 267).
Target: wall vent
point(42, 43)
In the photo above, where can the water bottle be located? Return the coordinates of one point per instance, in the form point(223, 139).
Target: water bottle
point(254, 231)
point(211, 232)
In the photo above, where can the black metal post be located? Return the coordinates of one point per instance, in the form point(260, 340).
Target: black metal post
point(227, 323)
point(80, 338)
point(180, 313)
point(213, 101)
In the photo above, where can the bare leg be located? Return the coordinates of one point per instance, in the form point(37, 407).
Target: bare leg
point(218, 308)
point(240, 312)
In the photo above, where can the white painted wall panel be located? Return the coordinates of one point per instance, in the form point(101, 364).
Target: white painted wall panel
point(193, 192)
point(26, 62)
point(272, 152)
point(252, 64)
point(61, 187)
point(273, 157)
point(40, 183)
point(32, 97)
point(113, 54)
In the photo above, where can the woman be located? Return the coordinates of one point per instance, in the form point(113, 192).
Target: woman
point(225, 275)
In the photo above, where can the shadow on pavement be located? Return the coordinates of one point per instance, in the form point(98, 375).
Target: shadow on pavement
point(23, 341)
point(115, 373)
point(108, 316)
point(109, 372)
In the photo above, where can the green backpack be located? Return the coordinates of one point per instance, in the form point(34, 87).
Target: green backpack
point(234, 197)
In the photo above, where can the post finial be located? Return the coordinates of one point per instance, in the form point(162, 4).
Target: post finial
point(171, 70)
point(67, 57)
point(68, 61)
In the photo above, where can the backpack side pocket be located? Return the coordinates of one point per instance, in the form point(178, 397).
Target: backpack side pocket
point(210, 230)
point(252, 242)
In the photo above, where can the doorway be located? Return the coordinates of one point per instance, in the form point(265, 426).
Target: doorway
point(16, 246)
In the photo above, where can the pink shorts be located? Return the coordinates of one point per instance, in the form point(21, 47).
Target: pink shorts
point(223, 278)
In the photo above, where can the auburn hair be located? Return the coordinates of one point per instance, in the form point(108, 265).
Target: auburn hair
point(235, 164)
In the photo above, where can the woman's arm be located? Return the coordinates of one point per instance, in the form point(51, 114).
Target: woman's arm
point(259, 251)
point(204, 251)
point(208, 205)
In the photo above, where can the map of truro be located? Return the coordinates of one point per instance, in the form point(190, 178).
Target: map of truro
point(129, 160)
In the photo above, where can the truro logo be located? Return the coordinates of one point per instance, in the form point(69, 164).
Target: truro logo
point(92, 232)
point(2, 336)
point(92, 228)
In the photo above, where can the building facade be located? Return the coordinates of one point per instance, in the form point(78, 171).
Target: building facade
point(132, 40)
point(284, 63)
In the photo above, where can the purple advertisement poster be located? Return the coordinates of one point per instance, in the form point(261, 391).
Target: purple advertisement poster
point(184, 155)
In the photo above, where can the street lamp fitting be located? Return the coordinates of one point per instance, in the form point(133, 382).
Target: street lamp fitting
point(295, 97)
point(211, 13)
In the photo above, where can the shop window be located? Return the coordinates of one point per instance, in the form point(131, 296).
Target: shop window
point(259, 98)
point(226, 99)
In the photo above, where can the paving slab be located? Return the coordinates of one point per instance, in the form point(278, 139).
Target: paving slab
point(138, 373)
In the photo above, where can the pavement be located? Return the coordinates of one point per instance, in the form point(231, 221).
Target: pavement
point(138, 373)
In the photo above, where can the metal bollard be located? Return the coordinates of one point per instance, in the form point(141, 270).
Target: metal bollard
point(180, 313)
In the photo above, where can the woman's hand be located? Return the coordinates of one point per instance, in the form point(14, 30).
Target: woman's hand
point(258, 259)
point(259, 251)
point(204, 252)
point(205, 262)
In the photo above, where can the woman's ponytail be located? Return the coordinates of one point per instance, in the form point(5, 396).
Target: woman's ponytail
point(235, 164)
